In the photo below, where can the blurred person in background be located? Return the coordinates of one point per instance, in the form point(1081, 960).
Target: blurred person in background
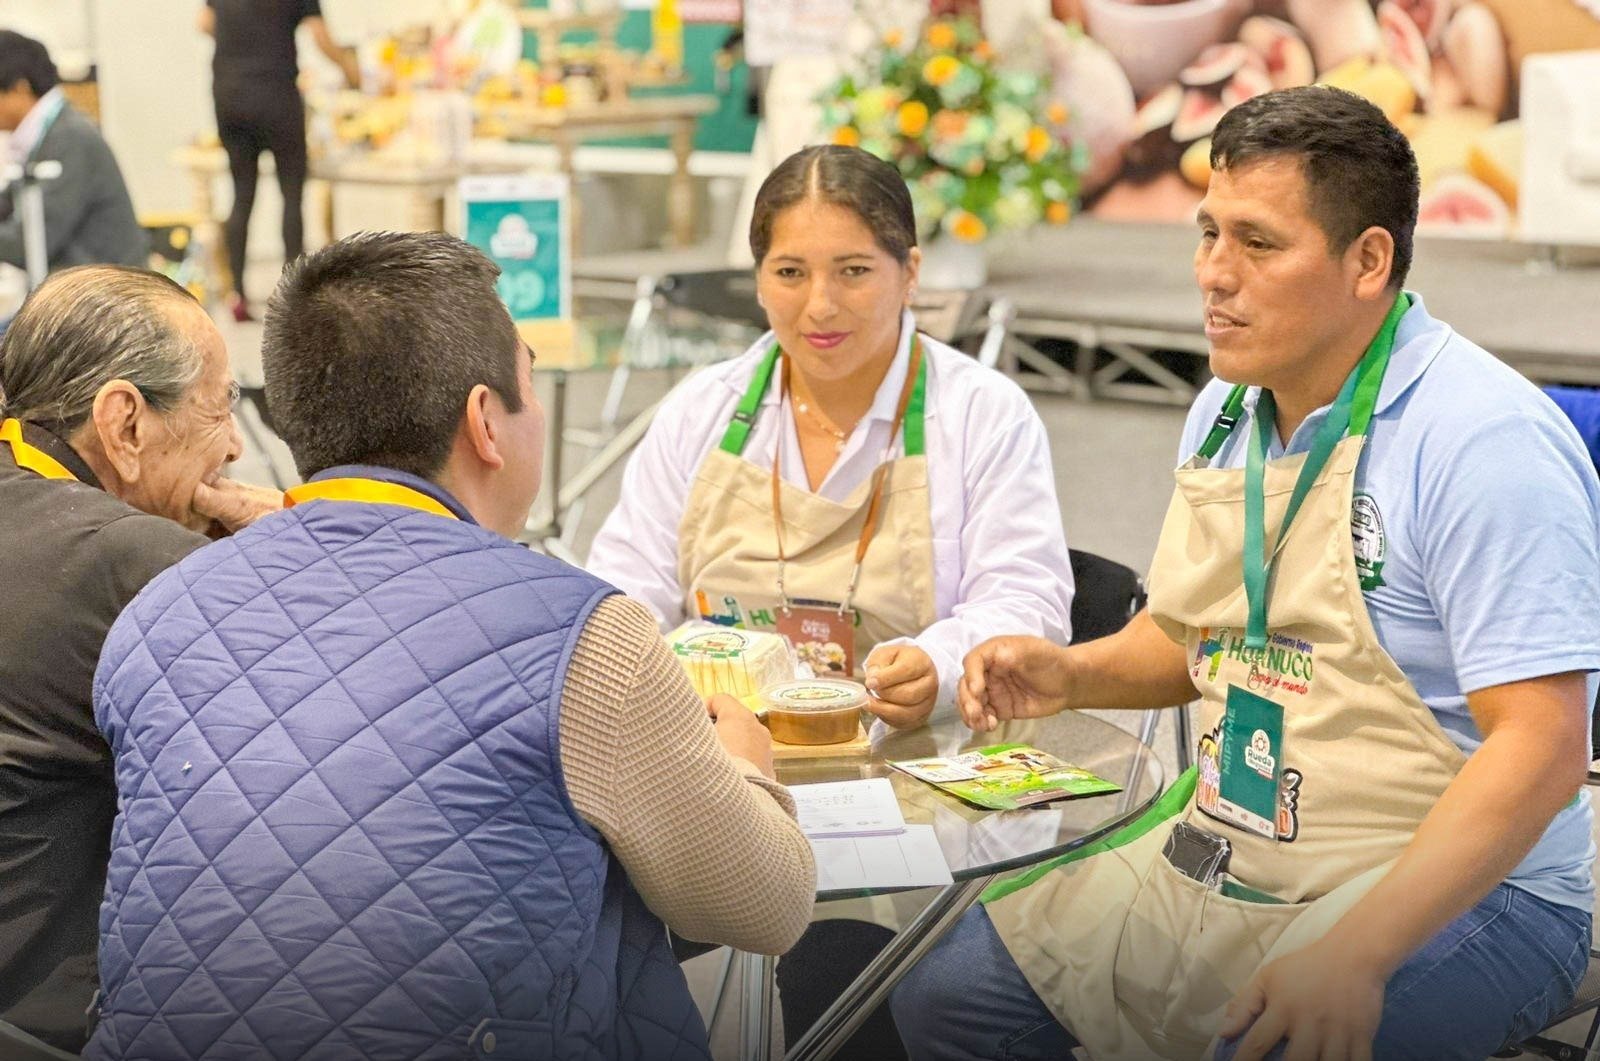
point(88, 217)
point(259, 108)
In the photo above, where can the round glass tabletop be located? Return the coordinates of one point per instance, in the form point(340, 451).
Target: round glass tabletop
point(977, 842)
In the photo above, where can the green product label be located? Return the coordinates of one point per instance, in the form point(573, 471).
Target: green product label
point(1252, 762)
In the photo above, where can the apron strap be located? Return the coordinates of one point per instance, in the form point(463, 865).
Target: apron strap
point(1171, 804)
point(744, 417)
point(916, 431)
point(1226, 421)
point(743, 421)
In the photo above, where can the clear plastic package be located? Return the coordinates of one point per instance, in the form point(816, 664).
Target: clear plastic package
point(740, 663)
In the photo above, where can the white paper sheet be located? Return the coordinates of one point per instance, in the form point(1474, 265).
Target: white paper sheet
point(911, 859)
point(848, 808)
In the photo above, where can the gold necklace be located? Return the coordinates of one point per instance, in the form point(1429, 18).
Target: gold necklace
point(839, 437)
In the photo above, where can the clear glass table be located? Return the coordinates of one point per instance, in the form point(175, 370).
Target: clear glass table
point(979, 846)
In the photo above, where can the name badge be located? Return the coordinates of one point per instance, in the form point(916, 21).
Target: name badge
point(824, 639)
point(1251, 755)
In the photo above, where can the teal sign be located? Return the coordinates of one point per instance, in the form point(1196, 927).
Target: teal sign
point(521, 223)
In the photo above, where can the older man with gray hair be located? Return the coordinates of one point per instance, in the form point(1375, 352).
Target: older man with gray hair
point(115, 423)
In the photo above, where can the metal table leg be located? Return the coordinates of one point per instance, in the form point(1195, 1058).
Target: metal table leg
point(755, 1014)
point(869, 989)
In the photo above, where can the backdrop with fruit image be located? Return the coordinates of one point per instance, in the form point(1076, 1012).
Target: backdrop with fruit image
point(1445, 71)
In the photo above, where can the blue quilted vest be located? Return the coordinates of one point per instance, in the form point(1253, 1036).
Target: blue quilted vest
point(343, 831)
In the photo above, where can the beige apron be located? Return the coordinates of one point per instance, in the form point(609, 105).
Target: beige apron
point(1138, 960)
point(728, 559)
point(728, 549)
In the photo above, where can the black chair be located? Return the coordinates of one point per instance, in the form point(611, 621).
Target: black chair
point(1106, 596)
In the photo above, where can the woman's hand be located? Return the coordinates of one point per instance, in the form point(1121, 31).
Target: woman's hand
point(904, 685)
point(1012, 677)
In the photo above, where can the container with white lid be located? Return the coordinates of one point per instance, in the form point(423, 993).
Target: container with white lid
point(814, 710)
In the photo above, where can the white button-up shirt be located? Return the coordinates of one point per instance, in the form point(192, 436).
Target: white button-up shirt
point(999, 551)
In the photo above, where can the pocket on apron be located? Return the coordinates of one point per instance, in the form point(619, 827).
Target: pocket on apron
point(1186, 950)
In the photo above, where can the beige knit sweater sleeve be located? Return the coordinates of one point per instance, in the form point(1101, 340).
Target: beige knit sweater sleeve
point(711, 845)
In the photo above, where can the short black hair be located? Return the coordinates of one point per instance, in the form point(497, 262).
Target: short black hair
point(844, 176)
point(25, 59)
point(372, 344)
point(1360, 169)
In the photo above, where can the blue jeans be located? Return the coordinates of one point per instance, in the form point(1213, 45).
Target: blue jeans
point(1495, 975)
point(967, 999)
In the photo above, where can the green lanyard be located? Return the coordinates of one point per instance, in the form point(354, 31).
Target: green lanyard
point(1350, 415)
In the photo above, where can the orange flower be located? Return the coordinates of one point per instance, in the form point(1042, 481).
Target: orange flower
point(966, 227)
point(912, 118)
point(942, 36)
point(1057, 213)
point(983, 50)
point(941, 69)
point(847, 136)
point(894, 38)
point(1057, 113)
point(949, 125)
point(1038, 144)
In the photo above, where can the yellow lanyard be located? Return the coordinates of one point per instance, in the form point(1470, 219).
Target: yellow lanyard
point(31, 457)
point(371, 491)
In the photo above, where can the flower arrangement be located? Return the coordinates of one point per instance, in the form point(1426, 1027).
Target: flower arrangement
point(974, 141)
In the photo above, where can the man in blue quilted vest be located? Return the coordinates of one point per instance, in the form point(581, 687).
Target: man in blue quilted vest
point(391, 785)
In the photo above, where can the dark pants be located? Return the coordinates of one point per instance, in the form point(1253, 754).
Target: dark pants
point(252, 119)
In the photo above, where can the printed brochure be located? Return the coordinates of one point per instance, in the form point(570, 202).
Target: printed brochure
point(1007, 776)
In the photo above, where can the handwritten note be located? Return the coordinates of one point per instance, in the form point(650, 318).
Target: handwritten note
point(848, 808)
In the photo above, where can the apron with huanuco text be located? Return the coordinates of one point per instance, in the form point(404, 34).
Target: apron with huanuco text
point(729, 548)
point(1316, 758)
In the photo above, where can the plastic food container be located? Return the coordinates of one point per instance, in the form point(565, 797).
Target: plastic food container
point(814, 710)
point(740, 663)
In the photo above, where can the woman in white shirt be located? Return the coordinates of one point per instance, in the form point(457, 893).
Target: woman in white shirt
point(846, 479)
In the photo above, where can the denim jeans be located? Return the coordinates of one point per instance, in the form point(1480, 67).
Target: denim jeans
point(1495, 975)
point(967, 999)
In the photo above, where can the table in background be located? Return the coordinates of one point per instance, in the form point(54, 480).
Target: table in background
point(978, 845)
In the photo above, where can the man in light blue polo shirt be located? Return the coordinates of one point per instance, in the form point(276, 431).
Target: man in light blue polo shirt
point(1475, 524)
point(1443, 575)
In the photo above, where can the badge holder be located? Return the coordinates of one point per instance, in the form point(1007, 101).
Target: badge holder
point(1251, 762)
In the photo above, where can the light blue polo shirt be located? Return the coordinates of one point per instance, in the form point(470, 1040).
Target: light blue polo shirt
point(1477, 497)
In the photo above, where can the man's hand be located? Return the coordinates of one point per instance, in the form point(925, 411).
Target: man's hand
point(1324, 1001)
point(741, 733)
point(904, 685)
point(232, 506)
point(1013, 677)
